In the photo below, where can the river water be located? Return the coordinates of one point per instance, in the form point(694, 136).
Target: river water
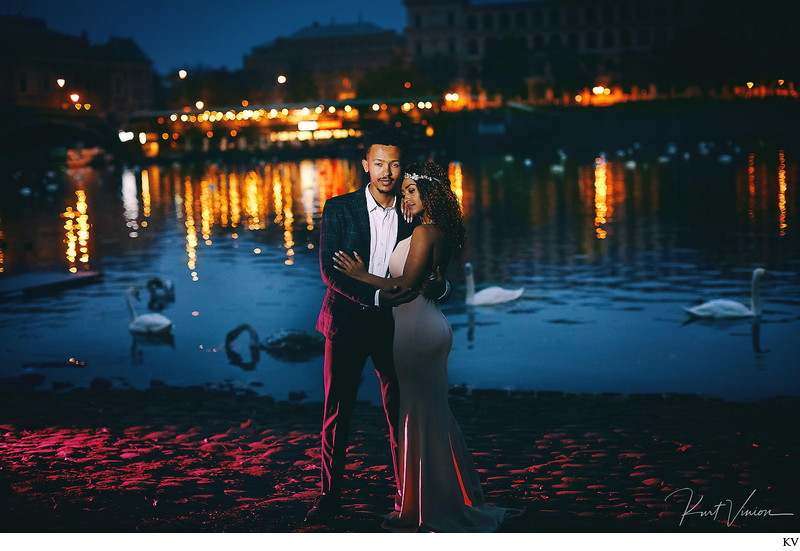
point(609, 247)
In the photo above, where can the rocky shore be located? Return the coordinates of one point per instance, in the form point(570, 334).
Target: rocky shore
point(195, 460)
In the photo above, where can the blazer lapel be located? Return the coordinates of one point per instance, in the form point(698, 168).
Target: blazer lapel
point(361, 218)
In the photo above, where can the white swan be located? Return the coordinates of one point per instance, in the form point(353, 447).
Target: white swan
point(146, 323)
point(722, 308)
point(490, 295)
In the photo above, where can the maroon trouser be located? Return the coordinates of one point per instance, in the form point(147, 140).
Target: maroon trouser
point(371, 336)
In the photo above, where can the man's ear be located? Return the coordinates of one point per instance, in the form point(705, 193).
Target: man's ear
point(365, 164)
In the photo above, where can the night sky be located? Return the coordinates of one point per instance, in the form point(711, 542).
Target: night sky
point(186, 33)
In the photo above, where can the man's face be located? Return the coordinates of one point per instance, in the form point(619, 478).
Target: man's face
point(383, 165)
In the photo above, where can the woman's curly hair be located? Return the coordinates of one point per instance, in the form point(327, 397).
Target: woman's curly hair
point(440, 202)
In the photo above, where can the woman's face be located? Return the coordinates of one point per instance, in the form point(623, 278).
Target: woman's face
point(411, 197)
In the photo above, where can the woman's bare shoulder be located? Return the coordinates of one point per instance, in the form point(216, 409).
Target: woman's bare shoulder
point(426, 237)
point(427, 231)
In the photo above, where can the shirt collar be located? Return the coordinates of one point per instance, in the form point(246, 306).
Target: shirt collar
point(372, 204)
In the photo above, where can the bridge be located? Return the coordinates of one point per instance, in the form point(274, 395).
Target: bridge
point(270, 127)
point(27, 130)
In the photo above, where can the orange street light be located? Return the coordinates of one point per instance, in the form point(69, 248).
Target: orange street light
point(74, 97)
point(281, 79)
point(182, 74)
point(61, 82)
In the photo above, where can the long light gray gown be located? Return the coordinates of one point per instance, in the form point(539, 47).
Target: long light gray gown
point(439, 485)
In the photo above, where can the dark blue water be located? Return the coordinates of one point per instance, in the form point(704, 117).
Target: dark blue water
point(609, 247)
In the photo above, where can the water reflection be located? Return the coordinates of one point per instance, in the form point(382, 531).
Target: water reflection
point(570, 217)
point(782, 192)
point(755, 333)
point(146, 195)
point(456, 177)
point(602, 209)
point(141, 340)
point(130, 202)
point(609, 249)
point(514, 211)
point(191, 232)
point(2, 247)
point(76, 238)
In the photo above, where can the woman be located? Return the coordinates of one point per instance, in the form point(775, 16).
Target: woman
point(439, 484)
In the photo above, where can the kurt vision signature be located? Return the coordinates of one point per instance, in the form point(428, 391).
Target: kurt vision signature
point(724, 509)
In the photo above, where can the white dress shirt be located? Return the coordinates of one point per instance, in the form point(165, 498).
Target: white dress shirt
point(382, 237)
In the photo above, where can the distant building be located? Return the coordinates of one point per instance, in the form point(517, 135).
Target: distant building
point(551, 45)
point(43, 68)
point(322, 61)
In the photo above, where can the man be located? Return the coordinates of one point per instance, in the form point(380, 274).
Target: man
point(355, 318)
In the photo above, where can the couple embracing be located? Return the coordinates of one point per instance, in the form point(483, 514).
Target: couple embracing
point(384, 285)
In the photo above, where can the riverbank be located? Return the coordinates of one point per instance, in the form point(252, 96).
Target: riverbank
point(532, 131)
point(192, 460)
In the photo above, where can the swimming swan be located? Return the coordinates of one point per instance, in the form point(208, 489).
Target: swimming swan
point(161, 289)
point(490, 295)
point(235, 357)
point(722, 308)
point(146, 323)
point(161, 293)
point(291, 345)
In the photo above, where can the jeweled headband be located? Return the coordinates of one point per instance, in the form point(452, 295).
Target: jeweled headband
point(414, 176)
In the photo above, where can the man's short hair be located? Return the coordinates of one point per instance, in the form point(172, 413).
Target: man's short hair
point(383, 135)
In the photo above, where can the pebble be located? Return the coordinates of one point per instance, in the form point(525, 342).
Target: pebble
point(168, 459)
